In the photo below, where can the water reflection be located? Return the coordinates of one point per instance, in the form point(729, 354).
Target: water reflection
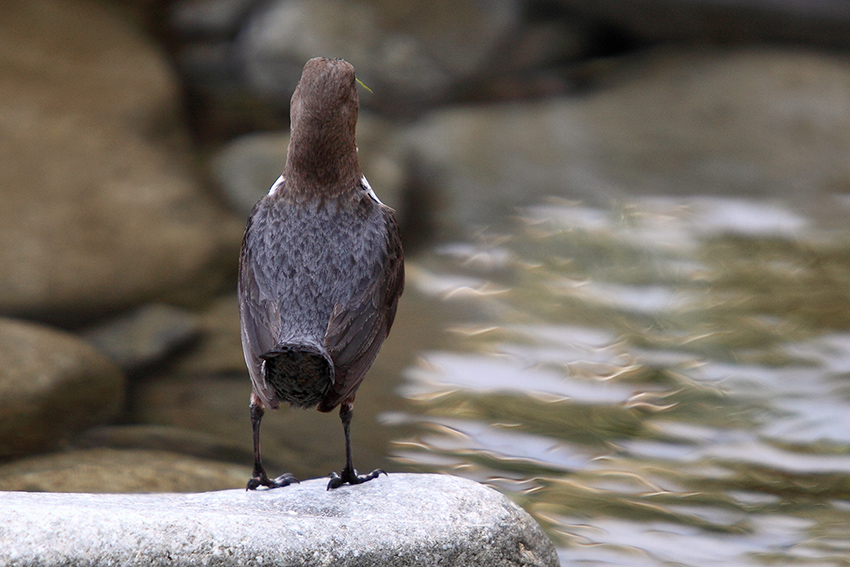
point(661, 383)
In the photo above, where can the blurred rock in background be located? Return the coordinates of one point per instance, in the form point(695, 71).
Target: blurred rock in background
point(52, 386)
point(102, 208)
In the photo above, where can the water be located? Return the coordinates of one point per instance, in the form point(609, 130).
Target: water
point(659, 383)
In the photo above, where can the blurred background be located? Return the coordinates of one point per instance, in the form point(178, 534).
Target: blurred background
point(628, 298)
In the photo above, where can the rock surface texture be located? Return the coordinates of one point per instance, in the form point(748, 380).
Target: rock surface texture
point(400, 520)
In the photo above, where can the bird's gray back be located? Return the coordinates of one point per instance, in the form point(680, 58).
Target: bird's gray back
point(309, 257)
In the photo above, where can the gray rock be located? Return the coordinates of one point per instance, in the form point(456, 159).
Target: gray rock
point(101, 210)
point(145, 336)
point(412, 54)
point(218, 349)
point(407, 56)
point(104, 470)
point(399, 520)
point(753, 122)
point(52, 385)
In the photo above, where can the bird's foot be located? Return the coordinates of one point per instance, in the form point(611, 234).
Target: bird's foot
point(260, 478)
point(350, 476)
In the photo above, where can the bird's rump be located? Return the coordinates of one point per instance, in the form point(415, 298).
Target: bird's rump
point(300, 373)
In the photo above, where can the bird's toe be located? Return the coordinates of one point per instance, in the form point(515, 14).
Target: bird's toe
point(350, 476)
point(262, 479)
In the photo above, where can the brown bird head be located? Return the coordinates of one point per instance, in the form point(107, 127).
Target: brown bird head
point(322, 157)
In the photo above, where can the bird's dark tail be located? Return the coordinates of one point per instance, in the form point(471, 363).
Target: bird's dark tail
point(299, 373)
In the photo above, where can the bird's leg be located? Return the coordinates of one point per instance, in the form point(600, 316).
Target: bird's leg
point(349, 474)
point(260, 478)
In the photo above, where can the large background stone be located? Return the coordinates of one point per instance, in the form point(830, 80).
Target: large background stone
point(101, 209)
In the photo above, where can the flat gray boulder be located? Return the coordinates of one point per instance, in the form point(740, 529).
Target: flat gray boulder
point(396, 520)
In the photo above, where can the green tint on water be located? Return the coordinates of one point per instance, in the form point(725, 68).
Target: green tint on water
point(666, 383)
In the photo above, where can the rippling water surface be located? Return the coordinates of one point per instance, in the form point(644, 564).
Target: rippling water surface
point(662, 383)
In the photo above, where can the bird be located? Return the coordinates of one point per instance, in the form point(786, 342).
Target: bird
point(321, 268)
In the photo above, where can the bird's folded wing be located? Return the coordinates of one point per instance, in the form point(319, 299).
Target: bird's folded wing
point(257, 334)
point(357, 330)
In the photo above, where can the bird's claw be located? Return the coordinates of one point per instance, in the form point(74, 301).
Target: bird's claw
point(350, 476)
point(262, 479)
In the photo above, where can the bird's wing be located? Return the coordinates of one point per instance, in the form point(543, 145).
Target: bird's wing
point(357, 330)
point(256, 312)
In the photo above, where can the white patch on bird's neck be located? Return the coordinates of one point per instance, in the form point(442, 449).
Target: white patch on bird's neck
point(277, 185)
point(369, 191)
